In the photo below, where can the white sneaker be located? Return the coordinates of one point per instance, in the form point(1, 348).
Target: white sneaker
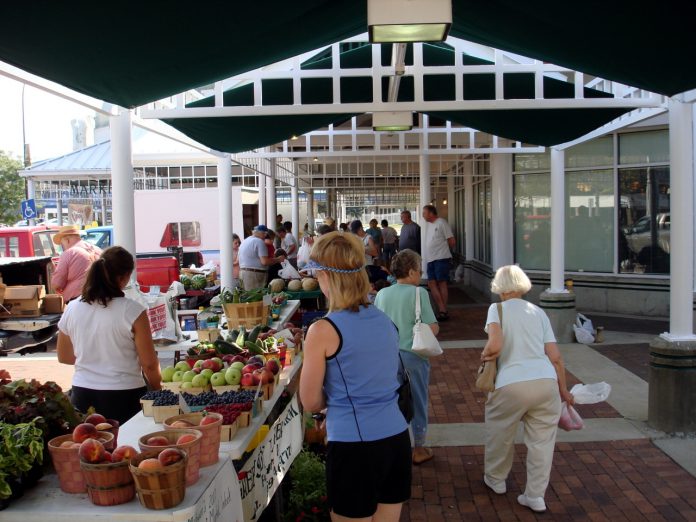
point(498, 486)
point(536, 504)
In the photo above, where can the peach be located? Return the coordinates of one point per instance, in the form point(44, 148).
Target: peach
point(108, 457)
point(208, 419)
point(92, 451)
point(181, 424)
point(158, 440)
point(103, 426)
point(95, 418)
point(123, 453)
point(76, 445)
point(84, 431)
point(67, 444)
point(186, 437)
point(170, 456)
point(150, 464)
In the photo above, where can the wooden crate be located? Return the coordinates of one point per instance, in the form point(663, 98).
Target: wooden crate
point(246, 314)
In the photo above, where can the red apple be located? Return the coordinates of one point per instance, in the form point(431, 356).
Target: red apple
point(84, 431)
point(150, 464)
point(249, 368)
point(247, 380)
point(170, 456)
point(257, 376)
point(196, 370)
point(273, 365)
point(95, 418)
point(267, 376)
point(92, 451)
point(123, 453)
point(209, 364)
point(158, 440)
point(186, 437)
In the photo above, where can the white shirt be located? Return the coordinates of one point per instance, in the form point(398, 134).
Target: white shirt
point(251, 251)
point(287, 242)
point(103, 342)
point(526, 329)
point(436, 235)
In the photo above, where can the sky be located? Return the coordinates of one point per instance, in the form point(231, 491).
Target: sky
point(47, 121)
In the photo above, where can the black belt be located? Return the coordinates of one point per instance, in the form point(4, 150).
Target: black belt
point(254, 270)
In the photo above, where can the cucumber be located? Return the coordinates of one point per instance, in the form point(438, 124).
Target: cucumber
point(254, 333)
point(254, 348)
point(226, 348)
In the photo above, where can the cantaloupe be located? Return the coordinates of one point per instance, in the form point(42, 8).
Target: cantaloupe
point(309, 284)
point(295, 285)
point(277, 285)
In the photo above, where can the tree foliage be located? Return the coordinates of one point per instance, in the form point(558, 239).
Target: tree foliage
point(11, 189)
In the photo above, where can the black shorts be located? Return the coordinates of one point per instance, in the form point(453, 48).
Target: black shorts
point(360, 475)
point(112, 404)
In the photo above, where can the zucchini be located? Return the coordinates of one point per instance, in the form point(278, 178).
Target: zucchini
point(226, 348)
point(254, 348)
point(253, 335)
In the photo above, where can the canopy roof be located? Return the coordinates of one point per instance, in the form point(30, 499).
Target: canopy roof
point(136, 52)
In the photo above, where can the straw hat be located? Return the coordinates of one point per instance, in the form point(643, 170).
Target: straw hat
point(67, 230)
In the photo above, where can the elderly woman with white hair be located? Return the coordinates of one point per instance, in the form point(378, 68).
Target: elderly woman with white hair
point(529, 387)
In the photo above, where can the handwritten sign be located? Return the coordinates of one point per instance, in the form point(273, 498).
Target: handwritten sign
point(220, 501)
point(270, 461)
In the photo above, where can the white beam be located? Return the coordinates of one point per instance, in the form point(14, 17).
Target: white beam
point(224, 177)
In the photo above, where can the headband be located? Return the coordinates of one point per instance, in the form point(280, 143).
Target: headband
point(313, 265)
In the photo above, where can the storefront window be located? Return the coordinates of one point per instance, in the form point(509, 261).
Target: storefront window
point(482, 244)
point(644, 220)
point(644, 147)
point(594, 153)
point(532, 201)
point(530, 162)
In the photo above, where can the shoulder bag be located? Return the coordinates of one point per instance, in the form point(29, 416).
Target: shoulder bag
point(485, 379)
point(405, 395)
point(424, 341)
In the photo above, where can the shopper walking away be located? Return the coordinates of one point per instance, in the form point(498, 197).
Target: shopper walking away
point(399, 302)
point(106, 336)
point(410, 236)
point(254, 259)
point(390, 241)
point(529, 387)
point(350, 368)
point(439, 242)
point(74, 263)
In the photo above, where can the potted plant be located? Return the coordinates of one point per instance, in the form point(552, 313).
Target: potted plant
point(21, 458)
point(307, 498)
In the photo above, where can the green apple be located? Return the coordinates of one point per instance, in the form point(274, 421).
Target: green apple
point(168, 373)
point(218, 379)
point(186, 385)
point(233, 375)
point(200, 381)
point(207, 372)
point(238, 364)
point(198, 363)
point(182, 366)
point(188, 376)
point(219, 362)
point(178, 376)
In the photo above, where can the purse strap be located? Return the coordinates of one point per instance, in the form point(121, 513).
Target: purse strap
point(418, 307)
point(500, 314)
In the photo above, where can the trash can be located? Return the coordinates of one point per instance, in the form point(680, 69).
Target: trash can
point(560, 307)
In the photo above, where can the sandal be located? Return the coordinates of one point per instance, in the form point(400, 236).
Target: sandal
point(428, 456)
point(442, 316)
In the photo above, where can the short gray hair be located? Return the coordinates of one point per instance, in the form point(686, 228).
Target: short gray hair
point(510, 278)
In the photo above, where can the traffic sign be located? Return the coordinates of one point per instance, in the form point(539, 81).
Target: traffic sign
point(28, 209)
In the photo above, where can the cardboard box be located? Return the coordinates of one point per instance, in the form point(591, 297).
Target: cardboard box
point(53, 304)
point(210, 335)
point(23, 301)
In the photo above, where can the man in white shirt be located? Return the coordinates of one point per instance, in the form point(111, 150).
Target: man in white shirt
point(439, 242)
point(254, 260)
point(288, 242)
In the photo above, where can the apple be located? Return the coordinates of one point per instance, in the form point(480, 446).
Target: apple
point(188, 376)
point(92, 451)
point(150, 464)
point(200, 381)
point(84, 431)
point(198, 364)
point(123, 453)
point(273, 365)
point(237, 364)
point(239, 358)
point(182, 366)
point(267, 376)
point(157, 440)
point(219, 362)
point(197, 371)
point(249, 368)
point(247, 380)
point(95, 418)
point(210, 364)
point(228, 359)
point(168, 373)
point(218, 379)
point(208, 419)
point(178, 376)
point(185, 438)
point(232, 376)
point(258, 376)
point(170, 456)
point(207, 372)
point(186, 385)
point(257, 359)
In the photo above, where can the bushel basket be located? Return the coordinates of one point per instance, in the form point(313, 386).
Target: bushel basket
point(210, 442)
point(161, 488)
point(246, 314)
point(108, 484)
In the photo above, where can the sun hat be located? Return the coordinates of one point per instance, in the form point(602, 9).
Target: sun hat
point(67, 230)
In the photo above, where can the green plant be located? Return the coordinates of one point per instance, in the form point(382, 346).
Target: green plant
point(21, 448)
point(307, 498)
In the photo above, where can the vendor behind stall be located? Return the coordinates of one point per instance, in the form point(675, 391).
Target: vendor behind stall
point(254, 259)
point(107, 337)
point(74, 262)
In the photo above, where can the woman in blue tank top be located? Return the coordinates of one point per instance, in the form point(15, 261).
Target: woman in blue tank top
point(350, 367)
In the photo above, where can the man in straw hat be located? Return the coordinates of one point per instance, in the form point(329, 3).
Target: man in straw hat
point(74, 262)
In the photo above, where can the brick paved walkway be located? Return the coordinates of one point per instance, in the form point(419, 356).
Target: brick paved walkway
point(634, 357)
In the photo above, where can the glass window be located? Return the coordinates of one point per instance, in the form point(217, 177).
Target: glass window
point(532, 202)
point(589, 226)
point(14, 247)
point(644, 220)
point(3, 247)
point(528, 162)
point(644, 147)
point(187, 233)
point(42, 244)
point(482, 229)
point(594, 153)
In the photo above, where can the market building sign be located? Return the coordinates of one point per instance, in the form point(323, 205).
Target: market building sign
point(270, 461)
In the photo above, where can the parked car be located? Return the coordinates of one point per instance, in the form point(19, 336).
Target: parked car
point(639, 236)
point(34, 241)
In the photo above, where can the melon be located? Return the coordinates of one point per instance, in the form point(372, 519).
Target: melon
point(309, 284)
point(295, 285)
point(277, 285)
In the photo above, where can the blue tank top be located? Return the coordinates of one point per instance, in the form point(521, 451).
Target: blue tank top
point(361, 378)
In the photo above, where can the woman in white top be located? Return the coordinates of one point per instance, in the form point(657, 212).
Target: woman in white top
point(107, 337)
point(529, 387)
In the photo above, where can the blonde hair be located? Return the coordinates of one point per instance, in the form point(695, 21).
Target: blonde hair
point(510, 278)
point(345, 252)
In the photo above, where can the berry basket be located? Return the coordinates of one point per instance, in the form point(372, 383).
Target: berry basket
point(210, 442)
point(161, 488)
point(192, 449)
point(108, 484)
point(66, 462)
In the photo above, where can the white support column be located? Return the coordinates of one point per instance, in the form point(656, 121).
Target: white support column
point(469, 208)
point(310, 210)
point(425, 197)
point(451, 214)
point(682, 225)
point(262, 197)
point(122, 191)
point(271, 203)
point(224, 177)
point(297, 227)
point(557, 221)
point(501, 218)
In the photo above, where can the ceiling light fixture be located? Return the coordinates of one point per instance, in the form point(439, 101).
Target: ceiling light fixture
point(293, 137)
point(396, 21)
point(315, 159)
point(392, 121)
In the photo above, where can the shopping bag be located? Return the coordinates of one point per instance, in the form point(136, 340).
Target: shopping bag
point(405, 395)
point(570, 419)
point(424, 341)
point(288, 271)
point(303, 254)
point(591, 393)
point(582, 335)
point(582, 321)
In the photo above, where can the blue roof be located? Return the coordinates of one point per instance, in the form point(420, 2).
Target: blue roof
point(94, 158)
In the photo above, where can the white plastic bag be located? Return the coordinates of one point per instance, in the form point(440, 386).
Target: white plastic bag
point(288, 271)
point(591, 393)
point(582, 335)
point(583, 322)
point(303, 254)
point(570, 419)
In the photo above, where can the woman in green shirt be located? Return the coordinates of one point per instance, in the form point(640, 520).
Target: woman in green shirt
point(399, 303)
